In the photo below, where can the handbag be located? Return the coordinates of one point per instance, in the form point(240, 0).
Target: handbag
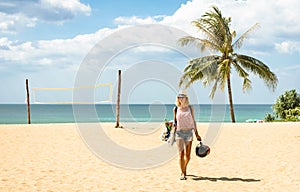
point(202, 150)
point(171, 139)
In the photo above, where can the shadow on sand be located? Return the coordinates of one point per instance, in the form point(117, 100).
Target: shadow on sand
point(215, 179)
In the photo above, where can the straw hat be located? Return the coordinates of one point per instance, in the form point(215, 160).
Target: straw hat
point(182, 93)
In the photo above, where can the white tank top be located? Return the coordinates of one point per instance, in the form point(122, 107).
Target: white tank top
point(184, 118)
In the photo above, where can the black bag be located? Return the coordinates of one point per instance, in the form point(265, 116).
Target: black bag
point(202, 150)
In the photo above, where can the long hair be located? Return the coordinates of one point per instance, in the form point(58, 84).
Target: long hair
point(184, 104)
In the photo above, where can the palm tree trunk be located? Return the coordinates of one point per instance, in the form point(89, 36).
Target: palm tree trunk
point(230, 99)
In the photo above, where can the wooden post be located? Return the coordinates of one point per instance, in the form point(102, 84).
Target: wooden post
point(28, 102)
point(118, 102)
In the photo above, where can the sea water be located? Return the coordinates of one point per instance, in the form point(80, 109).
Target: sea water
point(48, 113)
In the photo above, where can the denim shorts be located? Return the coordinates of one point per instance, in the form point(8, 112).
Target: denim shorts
point(186, 135)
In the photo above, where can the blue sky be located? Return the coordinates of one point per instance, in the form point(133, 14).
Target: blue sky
point(47, 41)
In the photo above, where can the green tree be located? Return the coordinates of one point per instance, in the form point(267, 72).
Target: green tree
point(216, 69)
point(288, 100)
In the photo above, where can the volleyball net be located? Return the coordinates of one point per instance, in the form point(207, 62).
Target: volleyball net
point(102, 94)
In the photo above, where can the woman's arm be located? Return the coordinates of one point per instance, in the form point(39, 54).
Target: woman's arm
point(175, 120)
point(195, 125)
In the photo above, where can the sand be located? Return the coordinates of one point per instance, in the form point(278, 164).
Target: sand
point(244, 157)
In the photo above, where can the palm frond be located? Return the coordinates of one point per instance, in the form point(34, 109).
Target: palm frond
point(188, 40)
point(239, 42)
point(208, 45)
point(205, 30)
point(203, 68)
point(215, 27)
point(258, 68)
point(246, 84)
point(223, 72)
point(233, 34)
point(189, 78)
point(220, 25)
point(214, 88)
point(216, 30)
point(242, 73)
point(202, 44)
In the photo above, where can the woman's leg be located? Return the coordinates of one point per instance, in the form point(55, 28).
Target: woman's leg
point(180, 145)
point(188, 147)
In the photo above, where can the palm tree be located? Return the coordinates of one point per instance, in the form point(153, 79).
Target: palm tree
point(217, 69)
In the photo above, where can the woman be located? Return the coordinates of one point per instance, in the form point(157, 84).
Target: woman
point(185, 124)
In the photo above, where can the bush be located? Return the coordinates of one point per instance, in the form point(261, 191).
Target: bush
point(269, 117)
point(292, 114)
point(289, 100)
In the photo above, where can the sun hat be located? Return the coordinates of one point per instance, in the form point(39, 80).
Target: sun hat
point(182, 93)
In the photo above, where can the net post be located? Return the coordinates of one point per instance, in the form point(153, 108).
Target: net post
point(28, 102)
point(118, 101)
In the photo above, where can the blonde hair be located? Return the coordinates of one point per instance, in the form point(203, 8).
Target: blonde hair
point(184, 104)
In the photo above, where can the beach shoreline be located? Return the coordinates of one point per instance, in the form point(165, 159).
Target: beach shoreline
point(244, 157)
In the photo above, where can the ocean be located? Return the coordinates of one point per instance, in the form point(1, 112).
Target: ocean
point(48, 113)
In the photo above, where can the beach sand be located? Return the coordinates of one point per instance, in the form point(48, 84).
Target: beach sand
point(244, 157)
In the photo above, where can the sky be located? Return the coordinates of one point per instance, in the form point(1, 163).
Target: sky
point(49, 42)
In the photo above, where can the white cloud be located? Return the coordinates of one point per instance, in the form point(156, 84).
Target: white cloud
point(134, 20)
point(12, 23)
point(15, 14)
point(279, 20)
point(71, 5)
point(288, 47)
point(58, 53)
point(69, 52)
